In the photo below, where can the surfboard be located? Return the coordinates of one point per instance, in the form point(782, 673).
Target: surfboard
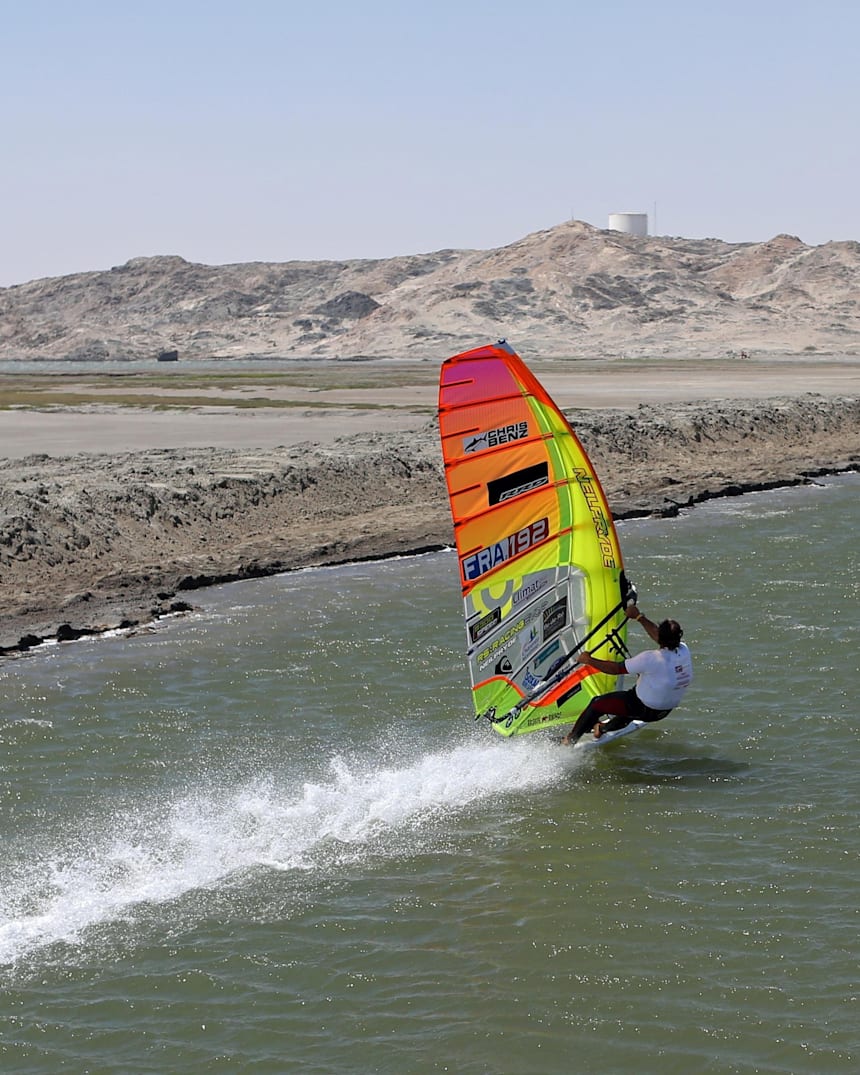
point(588, 742)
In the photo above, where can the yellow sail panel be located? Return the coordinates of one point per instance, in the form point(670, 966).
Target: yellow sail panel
point(540, 564)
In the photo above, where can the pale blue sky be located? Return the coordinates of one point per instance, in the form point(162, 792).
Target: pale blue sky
point(264, 131)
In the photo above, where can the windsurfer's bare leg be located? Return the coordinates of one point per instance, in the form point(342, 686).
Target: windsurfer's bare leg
point(587, 719)
point(615, 705)
point(614, 724)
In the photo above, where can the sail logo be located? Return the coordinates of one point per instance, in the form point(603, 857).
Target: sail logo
point(545, 654)
point(490, 652)
point(531, 588)
point(479, 563)
point(521, 481)
point(530, 681)
point(554, 618)
point(485, 625)
point(532, 643)
point(594, 503)
point(494, 438)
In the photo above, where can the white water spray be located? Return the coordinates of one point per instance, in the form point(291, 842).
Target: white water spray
point(204, 838)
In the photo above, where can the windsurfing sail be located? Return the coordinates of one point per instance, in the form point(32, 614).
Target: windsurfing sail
point(540, 564)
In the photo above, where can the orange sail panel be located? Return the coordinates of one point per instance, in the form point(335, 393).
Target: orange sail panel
point(540, 563)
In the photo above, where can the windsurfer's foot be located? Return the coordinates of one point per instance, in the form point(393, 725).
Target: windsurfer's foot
point(568, 740)
point(598, 730)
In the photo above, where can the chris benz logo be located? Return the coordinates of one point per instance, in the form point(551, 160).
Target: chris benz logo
point(495, 437)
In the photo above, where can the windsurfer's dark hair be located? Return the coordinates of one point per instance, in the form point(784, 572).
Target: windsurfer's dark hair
point(669, 634)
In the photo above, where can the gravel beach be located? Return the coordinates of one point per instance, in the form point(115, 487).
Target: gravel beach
point(111, 517)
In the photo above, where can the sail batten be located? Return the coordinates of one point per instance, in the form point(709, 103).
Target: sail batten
point(540, 565)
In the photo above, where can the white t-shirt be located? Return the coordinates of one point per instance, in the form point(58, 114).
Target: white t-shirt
point(664, 675)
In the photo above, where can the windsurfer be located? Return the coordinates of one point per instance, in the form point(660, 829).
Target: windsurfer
point(663, 675)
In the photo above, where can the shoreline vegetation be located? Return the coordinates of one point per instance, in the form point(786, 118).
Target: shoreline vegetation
point(114, 511)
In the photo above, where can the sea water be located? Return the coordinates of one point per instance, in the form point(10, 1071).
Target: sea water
point(269, 836)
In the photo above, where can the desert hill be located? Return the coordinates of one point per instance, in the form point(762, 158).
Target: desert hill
point(569, 291)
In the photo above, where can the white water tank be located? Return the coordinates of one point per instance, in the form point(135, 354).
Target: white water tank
point(631, 223)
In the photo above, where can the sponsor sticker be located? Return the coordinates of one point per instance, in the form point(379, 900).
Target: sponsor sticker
point(546, 653)
point(521, 481)
point(485, 624)
point(532, 722)
point(554, 618)
point(494, 438)
point(532, 642)
point(530, 589)
point(499, 644)
point(530, 681)
point(575, 689)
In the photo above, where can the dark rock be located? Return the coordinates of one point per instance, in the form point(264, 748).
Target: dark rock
point(351, 304)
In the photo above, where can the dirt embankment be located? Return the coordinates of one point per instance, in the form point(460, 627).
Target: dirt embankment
point(90, 542)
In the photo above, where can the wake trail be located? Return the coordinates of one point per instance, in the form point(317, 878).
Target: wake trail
point(160, 853)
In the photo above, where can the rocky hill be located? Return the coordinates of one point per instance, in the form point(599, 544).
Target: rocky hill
point(571, 290)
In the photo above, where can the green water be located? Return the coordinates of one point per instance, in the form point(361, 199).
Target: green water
point(269, 837)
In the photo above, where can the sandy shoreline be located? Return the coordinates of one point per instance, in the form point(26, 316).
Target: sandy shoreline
point(94, 538)
point(320, 411)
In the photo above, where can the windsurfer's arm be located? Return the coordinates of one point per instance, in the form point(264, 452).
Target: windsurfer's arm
point(650, 628)
point(611, 668)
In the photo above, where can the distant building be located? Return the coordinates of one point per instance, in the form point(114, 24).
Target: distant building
point(630, 223)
